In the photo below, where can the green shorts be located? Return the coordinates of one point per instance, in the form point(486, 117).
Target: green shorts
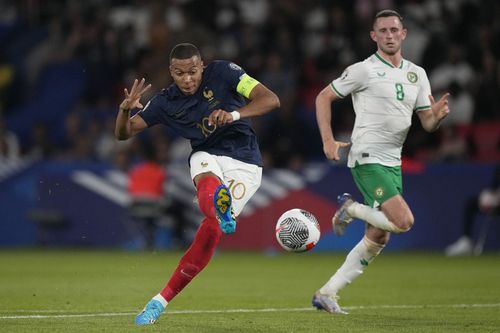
point(377, 182)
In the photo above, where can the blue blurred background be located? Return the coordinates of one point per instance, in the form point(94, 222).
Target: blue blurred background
point(63, 66)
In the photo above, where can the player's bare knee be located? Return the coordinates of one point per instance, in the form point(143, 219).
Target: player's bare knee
point(408, 223)
point(404, 224)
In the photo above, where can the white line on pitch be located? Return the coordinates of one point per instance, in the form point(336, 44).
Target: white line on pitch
point(115, 314)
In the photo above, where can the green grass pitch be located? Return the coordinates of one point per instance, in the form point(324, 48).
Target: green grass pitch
point(101, 291)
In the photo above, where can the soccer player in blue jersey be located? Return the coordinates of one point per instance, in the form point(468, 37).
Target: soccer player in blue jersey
point(208, 106)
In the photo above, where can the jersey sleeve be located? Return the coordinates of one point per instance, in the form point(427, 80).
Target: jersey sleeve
point(422, 102)
point(151, 112)
point(353, 79)
point(238, 80)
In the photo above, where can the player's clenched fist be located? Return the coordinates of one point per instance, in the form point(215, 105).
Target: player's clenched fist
point(220, 117)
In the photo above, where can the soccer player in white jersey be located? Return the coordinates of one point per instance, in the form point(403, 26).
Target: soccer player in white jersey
point(386, 89)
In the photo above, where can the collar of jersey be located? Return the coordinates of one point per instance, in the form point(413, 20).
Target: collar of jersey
point(388, 63)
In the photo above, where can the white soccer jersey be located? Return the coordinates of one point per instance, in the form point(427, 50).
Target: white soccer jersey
point(384, 98)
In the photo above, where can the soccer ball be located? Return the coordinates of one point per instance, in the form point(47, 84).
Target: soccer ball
point(297, 230)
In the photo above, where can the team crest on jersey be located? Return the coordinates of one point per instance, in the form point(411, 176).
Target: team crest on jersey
point(412, 77)
point(208, 94)
point(379, 192)
point(235, 67)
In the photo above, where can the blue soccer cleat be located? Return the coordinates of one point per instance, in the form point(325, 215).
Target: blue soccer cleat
point(341, 218)
point(327, 303)
point(223, 209)
point(150, 314)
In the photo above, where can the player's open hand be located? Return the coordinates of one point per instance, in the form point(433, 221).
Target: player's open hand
point(440, 108)
point(133, 99)
point(331, 149)
point(220, 117)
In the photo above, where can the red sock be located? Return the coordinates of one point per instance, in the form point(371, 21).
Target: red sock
point(205, 194)
point(195, 259)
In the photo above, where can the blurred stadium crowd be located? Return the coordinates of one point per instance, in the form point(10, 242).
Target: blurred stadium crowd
point(64, 64)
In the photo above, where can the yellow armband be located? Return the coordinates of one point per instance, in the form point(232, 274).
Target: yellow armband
point(246, 85)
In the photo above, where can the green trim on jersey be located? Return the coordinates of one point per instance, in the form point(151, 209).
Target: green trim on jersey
point(420, 108)
point(377, 182)
point(388, 63)
point(336, 91)
point(246, 85)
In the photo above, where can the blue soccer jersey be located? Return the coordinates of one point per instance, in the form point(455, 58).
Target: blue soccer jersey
point(188, 115)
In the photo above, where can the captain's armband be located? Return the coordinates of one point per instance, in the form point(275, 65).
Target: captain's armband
point(246, 85)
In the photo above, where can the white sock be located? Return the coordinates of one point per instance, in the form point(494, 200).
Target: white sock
point(372, 216)
point(160, 299)
point(356, 261)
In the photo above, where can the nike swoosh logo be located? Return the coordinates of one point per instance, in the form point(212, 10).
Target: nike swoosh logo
point(186, 274)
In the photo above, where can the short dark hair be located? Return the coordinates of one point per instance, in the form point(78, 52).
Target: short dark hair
point(184, 51)
point(388, 13)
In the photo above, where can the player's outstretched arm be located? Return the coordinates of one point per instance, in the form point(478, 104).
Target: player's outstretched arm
point(432, 118)
point(262, 101)
point(324, 118)
point(126, 127)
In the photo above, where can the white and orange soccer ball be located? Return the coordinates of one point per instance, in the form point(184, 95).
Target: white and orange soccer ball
point(297, 230)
